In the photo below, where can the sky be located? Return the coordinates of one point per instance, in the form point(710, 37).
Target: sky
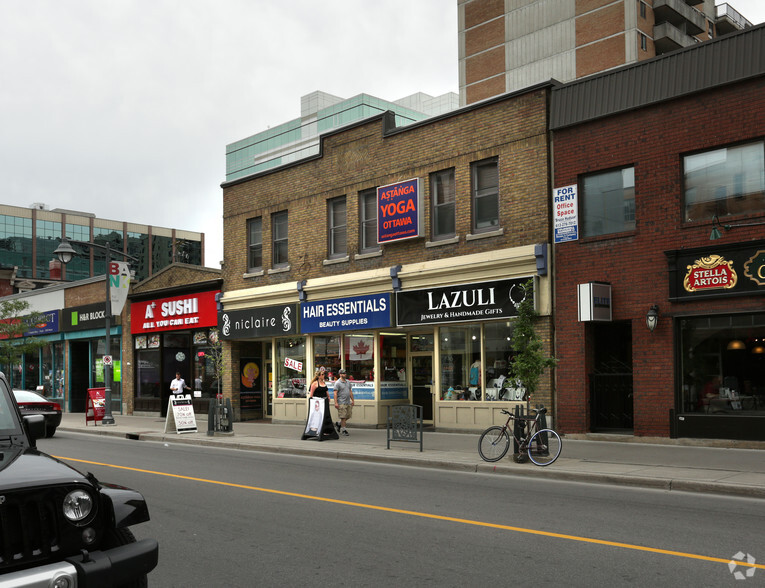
point(124, 108)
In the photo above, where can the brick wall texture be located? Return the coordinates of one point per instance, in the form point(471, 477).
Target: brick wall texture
point(653, 140)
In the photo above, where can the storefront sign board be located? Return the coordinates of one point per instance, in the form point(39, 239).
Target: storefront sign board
point(48, 324)
point(400, 211)
point(717, 271)
point(180, 415)
point(346, 314)
point(96, 405)
point(460, 303)
point(594, 302)
point(81, 318)
point(189, 311)
point(254, 323)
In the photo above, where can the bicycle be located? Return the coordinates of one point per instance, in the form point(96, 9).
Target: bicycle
point(541, 446)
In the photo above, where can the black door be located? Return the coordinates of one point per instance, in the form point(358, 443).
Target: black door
point(611, 381)
point(79, 374)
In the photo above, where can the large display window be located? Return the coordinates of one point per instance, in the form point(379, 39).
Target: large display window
point(290, 367)
point(723, 364)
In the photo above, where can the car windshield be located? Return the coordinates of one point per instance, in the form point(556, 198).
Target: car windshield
point(8, 423)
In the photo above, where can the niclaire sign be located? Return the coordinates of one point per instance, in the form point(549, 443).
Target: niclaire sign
point(400, 211)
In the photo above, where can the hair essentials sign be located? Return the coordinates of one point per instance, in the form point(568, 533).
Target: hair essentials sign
point(399, 211)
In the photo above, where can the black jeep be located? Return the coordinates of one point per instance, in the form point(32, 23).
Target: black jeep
point(58, 527)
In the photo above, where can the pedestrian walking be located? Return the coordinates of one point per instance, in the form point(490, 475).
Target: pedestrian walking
point(344, 402)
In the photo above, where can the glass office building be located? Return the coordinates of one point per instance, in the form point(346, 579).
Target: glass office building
point(28, 237)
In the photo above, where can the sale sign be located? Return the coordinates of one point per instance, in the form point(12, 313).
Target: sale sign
point(400, 211)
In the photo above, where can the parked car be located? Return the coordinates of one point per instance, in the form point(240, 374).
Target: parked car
point(34, 403)
point(60, 527)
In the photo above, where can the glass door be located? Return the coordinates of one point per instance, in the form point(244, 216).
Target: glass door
point(422, 384)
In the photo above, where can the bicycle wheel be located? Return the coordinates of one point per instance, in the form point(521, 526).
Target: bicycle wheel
point(493, 444)
point(544, 447)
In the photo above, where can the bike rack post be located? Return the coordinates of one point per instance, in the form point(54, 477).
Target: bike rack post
point(518, 432)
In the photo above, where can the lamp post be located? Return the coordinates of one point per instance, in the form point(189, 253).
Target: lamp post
point(65, 253)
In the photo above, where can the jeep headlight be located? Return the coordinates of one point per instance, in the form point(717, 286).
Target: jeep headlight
point(78, 504)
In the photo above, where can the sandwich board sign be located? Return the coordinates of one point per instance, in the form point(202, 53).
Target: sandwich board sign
point(180, 415)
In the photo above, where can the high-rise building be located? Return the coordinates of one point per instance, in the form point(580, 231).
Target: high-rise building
point(508, 45)
point(28, 237)
point(320, 113)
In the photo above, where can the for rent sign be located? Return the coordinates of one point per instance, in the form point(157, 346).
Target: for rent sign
point(565, 214)
point(399, 211)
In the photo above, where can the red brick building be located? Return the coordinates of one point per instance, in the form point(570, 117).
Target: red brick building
point(655, 157)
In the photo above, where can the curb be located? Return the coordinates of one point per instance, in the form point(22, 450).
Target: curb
point(668, 484)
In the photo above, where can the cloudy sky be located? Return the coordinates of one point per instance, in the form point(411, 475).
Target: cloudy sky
point(123, 108)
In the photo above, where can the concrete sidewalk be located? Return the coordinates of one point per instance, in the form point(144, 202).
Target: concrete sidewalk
point(687, 465)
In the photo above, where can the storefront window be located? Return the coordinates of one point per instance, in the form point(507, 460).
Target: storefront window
point(59, 371)
point(327, 354)
point(498, 354)
point(290, 367)
point(393, 357)
point(46, 369)
point(723, 364)
point(460, 355)
point(148, 383)
point(359, 351)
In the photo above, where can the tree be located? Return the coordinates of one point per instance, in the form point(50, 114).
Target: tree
point(15, 322)
point(529, 361)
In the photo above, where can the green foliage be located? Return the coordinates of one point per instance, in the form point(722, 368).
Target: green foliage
point(14, 322)
point(215, 354)
point(530, 361)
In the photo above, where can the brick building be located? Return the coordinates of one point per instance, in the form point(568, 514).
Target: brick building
point(336, 261)
point(508, 45)
point(658, 155)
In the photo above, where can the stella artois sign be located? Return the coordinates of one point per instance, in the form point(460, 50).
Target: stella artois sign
point(710, 273)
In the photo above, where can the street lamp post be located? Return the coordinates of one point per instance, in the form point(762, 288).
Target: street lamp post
point(65, 253)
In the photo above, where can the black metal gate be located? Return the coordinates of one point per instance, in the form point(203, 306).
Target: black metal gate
point(611, 402)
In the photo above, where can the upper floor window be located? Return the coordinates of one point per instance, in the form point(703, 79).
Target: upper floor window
point(641, 4)
point(254, 244)
point(725, 181)
point(643, 42)
point(368, 221)
point(337, 227)
point(279, 237)
point(485, 175)
point(608, 202)
point(442, 196)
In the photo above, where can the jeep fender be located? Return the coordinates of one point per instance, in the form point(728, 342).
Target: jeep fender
point(128, 507)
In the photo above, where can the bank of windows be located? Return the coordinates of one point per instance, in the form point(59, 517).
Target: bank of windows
point(48, 235)
point(723, 364)
point(79, 267)
point(608, 202)
point(104, 236)
point(443, 193)
point(138, 247)
point(280, 241)
point(724, 182)
point(469, 374)
point(188, 251)
point(255, 245)
point(337, 229)
point(368, 221)
point(485, 195)
point(16, 243)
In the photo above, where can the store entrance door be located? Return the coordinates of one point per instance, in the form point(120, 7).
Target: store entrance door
point(268, 375)
point(422, 385)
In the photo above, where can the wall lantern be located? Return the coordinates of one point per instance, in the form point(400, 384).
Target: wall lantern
point(652, 317)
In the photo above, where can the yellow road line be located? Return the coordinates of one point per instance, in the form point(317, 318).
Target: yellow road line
point(430, 516)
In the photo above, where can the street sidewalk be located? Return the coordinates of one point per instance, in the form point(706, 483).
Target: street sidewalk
point(686, 465)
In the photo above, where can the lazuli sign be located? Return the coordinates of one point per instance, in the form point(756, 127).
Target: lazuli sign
point(346, 314)
point(399, 211)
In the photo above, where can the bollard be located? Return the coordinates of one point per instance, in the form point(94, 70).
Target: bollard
point(211, 420)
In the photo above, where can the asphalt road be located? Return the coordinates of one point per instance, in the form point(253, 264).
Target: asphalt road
point(233, 518)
